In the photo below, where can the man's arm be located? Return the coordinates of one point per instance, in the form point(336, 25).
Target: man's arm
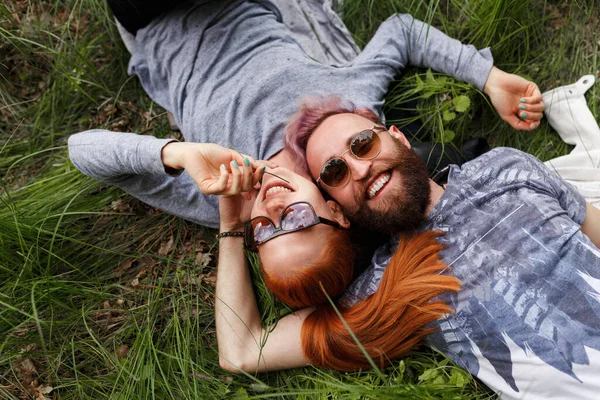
point(241, 338)
point(591, 224)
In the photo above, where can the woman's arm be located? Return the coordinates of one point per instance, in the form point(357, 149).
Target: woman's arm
point(133, 163)
point(244, 345)
point(175, 177)
point(517, 100)
point(403, 40)
point(112, 156)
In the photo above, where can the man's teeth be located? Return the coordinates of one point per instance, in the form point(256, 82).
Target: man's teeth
point(378, 184)
point(275, 189)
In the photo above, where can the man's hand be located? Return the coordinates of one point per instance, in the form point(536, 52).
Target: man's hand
point(591, 224)
point(215, 169)
point(517, 100)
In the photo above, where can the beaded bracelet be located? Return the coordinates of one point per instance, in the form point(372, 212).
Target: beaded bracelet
point(225, 234)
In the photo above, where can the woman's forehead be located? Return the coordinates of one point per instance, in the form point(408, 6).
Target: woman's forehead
point(285, 253)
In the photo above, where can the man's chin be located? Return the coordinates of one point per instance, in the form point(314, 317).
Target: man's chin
point(397, 211)
point(401, 204)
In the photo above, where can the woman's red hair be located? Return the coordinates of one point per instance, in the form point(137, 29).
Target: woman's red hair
point(332, 268)
point(390, 322)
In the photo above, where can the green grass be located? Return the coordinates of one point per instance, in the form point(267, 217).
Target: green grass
point(97, 301)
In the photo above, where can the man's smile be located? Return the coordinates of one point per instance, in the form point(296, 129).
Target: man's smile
point(378, 183)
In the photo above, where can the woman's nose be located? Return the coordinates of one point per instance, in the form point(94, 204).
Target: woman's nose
point(274, 209)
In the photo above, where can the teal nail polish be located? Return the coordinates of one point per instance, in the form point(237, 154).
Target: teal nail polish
point(247, 162)
point(235, 164)
point(522, 107)
point(263, 169)
point(523, 115)
point(223, 166)
point(523, 101)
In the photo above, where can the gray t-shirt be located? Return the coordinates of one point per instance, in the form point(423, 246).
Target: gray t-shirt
point(527, 318)
point(232, 73)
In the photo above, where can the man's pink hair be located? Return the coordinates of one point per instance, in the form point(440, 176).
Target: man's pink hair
point(313, 111)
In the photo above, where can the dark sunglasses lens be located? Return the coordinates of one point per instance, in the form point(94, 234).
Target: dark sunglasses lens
point(298, 216)
point(334, 172)
point(259, 230)
point(365, 144)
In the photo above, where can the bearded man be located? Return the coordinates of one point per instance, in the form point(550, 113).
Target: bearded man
point(523, 243)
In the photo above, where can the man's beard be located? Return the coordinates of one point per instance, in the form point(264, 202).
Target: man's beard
point(403, 208)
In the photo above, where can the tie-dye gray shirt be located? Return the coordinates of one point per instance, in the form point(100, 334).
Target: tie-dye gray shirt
point(530, 279)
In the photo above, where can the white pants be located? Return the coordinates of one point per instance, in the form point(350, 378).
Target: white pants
point(568, 113)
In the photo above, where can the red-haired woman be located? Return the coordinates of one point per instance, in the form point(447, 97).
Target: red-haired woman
point(232, 72)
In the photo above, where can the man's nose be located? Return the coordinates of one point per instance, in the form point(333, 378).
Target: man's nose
point(358, 168)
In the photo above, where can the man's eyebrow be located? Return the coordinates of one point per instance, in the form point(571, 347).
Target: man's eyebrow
point(350, 139)
point(347, 144)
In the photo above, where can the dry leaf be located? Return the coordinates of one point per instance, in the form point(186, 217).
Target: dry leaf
point(211, 278)
point(166, 247)
point(42, 391)
point(30, 347)
point(120, 206)
point(203, 259)
point(141, 273)
point(123, 350)
point(22, 331)
point(125, 266)
point(26, 367)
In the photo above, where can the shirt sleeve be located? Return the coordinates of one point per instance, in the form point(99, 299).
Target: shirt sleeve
point(134, 163)
point(368, 282)
point(541, 177)
point(567, 195)
point(403, 40)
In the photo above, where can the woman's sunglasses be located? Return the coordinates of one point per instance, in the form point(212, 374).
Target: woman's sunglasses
point(295, 217)
point(365, 145)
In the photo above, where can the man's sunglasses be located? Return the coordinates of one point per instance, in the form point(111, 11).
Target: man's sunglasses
point(365, 145)
point(295, 217)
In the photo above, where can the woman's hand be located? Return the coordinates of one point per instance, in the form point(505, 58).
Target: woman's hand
point(215, 169)
point(517, 100)
point(235, 210)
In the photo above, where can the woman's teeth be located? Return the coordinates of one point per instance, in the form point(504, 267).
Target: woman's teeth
point(378, 184)
point(275, 189)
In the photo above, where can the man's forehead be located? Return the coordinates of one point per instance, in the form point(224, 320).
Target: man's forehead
point(335, 132)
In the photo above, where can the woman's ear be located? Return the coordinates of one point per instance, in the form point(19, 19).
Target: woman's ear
point(338, 215)
point(396, 134)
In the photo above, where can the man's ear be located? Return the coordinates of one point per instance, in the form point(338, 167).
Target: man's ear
point(396, 134)
point(338, 215)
